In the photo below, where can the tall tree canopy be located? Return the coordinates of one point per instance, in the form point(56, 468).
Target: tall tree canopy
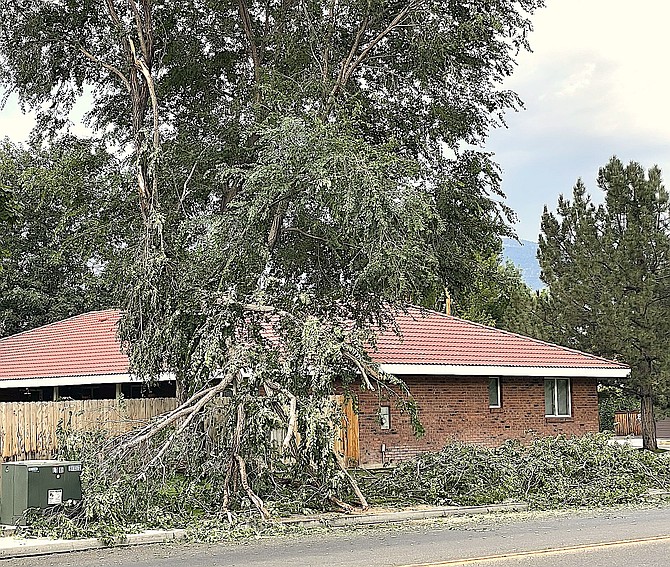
point(608, 271)
point(497, 295)
point(67, 234)
point(196, 88)
point(6, 204)
point(302, 168)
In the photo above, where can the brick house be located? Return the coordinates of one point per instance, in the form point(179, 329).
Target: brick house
point(477, 384)
point(471, 382)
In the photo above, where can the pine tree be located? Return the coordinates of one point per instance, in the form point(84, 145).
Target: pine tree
point(609, 277)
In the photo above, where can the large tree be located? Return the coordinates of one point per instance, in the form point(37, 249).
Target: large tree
point(6, 202)
point(193, 87)
point(302, 171)
point(608, 270)
point(66, 235)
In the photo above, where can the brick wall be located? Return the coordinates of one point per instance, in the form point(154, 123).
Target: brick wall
point(457, 408)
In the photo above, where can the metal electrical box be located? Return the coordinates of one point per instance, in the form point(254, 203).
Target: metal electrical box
point(36, 484)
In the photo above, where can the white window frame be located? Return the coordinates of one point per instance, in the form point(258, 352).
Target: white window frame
point(555, 394)
point(488, 392)
point(385, 417)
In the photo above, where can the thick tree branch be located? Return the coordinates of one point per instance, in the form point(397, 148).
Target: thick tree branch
point(361, 369)
point(353, 61)
point(352, 481)
point(146, 73)
point(306, 234)
point(192, 405)
point(111, 68)
point(140, 25)
point(325, 68)
point(276, 226)
point(113, 14)
point(253, 50)
point(148, 176)
point(370, 46)
point(258, 502)
point(292, 429)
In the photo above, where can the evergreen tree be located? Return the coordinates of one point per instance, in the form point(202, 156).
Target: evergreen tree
point(608, 271)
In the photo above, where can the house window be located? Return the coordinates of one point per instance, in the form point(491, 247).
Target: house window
point(494, 392)
point(385, 417)
point(557, 397)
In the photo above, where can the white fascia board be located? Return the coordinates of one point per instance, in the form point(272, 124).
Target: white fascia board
point(531, 371)
point(77, 380)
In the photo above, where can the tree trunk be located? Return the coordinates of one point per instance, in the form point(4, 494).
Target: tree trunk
point(647, 419)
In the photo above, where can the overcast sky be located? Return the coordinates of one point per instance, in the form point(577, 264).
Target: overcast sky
point(594, 86)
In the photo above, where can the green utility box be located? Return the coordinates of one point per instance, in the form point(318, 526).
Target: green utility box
point(36, 484)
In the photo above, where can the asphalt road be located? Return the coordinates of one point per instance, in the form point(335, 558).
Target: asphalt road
point(639, 537)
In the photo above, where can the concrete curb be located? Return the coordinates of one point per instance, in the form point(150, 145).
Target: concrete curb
point(23, 547)
point(404, 515)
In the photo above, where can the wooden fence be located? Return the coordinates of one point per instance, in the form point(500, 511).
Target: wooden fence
point(627, 423)
point(346, 442)
point(28, 429)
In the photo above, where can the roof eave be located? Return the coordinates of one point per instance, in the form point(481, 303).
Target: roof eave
point(48, 381)
point(490, 370)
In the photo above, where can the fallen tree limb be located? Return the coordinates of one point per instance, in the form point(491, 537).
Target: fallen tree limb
point(187, 409)
point(194, 411)
point(352, 481)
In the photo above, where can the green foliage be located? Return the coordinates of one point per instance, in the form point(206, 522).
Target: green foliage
point(608, 276)
point(530, 315)
point(460, 474)
point(548, 473)
point(67, 233)
point(496, 295)
point(7, 211)
point(586, 471)
point(495, 291)
point(6, 204)
point(121, 494)
point(408, 79)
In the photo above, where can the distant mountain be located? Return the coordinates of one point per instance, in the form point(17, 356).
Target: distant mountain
point(523, 254)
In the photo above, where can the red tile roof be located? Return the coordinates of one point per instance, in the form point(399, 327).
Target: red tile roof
point(83, 345)
point(429, 337)
point(88, 345)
